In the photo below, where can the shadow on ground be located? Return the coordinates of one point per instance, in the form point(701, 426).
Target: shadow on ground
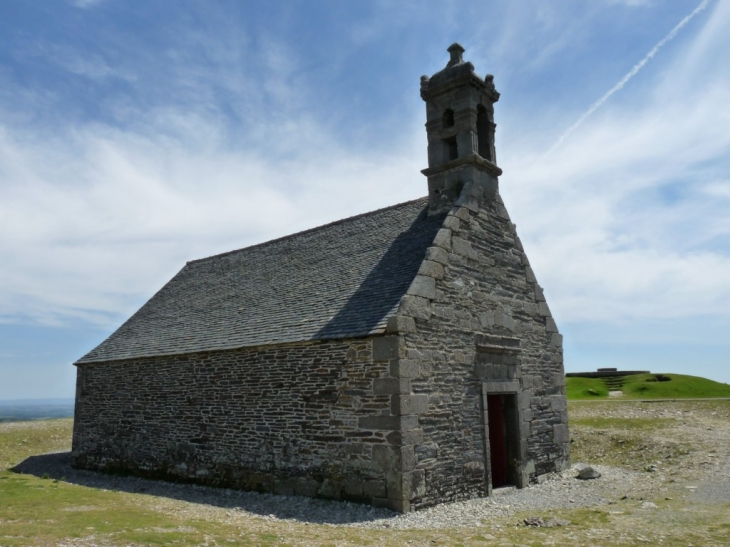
point(316, 511)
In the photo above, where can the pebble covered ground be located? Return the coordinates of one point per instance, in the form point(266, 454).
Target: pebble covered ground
point(556, 491)
point(703, 474)
point(559, 491)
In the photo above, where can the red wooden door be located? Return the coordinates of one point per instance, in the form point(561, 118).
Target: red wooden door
point(497, 444)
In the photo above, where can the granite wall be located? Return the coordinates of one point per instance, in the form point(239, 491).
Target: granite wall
point(399, 420)
point(475, 323)
point(290, 419)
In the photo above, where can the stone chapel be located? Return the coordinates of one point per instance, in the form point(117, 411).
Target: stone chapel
point(402, 358)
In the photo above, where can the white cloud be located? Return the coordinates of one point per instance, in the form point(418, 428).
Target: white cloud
point(95, 221)
point(632, 3)
point(633, 72)
point(718, 189)
point(96, 218)
point(599, 220)
point(85, 4)
point(93, 66)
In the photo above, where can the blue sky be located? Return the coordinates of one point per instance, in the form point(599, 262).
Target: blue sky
point(137, 135)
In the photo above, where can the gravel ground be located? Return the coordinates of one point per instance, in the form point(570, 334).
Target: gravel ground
point(704, 477)
point(556, 491)
point(714, 485)
point(705, 472)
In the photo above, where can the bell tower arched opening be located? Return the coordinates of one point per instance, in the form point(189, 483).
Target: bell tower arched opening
point(485, 134)
point(447, 118)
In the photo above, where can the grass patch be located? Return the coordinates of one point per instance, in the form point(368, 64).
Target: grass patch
point(18, 440)
point(37, 511)
point(585, 388)
point(649, 386)
point(678, 386)
point(47, 511)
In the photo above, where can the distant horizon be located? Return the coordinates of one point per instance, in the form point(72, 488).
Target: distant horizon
point(53, 401)
point(72, 400)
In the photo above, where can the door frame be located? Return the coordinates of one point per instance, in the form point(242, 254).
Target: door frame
point(519, 440)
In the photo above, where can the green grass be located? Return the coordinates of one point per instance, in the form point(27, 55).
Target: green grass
point(36, 511)
point(646, 386)
point(585, 388)
point(18, 440)
point(44, 510)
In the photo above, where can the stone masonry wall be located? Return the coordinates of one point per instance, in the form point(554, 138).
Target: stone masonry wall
point(290, 419)
point(395, 420)
point(475, 316)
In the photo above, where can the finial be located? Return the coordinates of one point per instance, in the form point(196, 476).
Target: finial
point(456, 52)
point(424, 84)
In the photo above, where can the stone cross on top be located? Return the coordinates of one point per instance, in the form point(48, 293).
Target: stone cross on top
point(456, 52)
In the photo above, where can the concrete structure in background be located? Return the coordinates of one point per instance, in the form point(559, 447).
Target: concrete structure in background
point(404, 357)
point(605, 373)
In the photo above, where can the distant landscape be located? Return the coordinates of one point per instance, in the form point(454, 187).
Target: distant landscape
point(646, 386)
point(638, 387)
point(35, 409)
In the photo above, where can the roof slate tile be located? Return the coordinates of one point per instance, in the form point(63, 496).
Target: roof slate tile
point(341, 280)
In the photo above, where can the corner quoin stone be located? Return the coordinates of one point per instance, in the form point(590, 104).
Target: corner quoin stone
point(391, 386)
point(423, 286)
point(400, 324)
point(385, 348)
point(409, 404)
point(405, 368)
point(417, 307)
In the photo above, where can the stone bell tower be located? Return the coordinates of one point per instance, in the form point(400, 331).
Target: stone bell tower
point(460, 128)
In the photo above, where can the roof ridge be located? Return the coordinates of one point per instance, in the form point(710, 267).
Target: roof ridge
point(308, 230)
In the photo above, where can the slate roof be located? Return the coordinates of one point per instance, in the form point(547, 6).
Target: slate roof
point(341, 280)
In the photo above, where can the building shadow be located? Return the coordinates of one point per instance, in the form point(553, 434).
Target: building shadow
point(57, 466)
point(381, 290)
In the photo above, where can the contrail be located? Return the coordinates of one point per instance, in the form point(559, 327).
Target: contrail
point(595, 106)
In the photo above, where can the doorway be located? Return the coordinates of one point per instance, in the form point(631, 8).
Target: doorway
point(503, 436)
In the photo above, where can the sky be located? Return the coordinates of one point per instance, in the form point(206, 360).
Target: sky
point(135, 136)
